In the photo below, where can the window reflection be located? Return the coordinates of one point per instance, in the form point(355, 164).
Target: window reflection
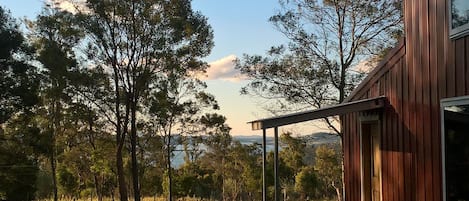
point(459, 13)
point(456, 120)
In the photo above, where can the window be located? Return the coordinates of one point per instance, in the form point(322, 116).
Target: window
point(455, 146)
point(459, 18)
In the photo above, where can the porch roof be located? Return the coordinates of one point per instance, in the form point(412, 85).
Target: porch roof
point(340, 109)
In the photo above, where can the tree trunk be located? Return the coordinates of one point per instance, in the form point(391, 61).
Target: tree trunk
point(341, 193)
point(97, 187)
point(170, 179)
point(120, 137)
point(120, 175)
point(133, 143)
point(53, 164)
point(54, 172)
point(337, 191)
point(223, 178)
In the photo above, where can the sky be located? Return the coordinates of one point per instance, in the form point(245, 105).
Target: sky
point(240, 27)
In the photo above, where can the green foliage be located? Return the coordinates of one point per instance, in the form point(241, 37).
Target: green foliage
point(68, 181)
point(18, 89)
point(150, 48)
point(329, 167)
point(19, 135)
point(293, 151)
point(43, 184)
point(18, 163)
point(307, 183)
point(327, 40)
point(118, 77)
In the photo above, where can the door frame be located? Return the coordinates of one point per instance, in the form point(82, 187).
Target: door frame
point(370, 118)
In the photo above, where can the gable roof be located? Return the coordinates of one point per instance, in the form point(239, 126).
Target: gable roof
point(348, 106)
point(386, 63)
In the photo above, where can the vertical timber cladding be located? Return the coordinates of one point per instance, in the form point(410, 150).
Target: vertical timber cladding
point(381, 83)
point(426, 67)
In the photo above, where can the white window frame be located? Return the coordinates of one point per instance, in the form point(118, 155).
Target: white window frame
point(462, 100)
point(455, 33)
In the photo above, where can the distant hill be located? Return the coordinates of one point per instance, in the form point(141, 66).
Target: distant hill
point(311, 139)
point(321, 138)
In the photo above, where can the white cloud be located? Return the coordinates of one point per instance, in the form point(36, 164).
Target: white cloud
point(366, 65)
point(72, 6)
point(223, 69)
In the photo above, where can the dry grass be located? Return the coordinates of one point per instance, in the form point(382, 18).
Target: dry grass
point(143, 199)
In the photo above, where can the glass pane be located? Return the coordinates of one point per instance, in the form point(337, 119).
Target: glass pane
point(457, 152)
point(459, 13)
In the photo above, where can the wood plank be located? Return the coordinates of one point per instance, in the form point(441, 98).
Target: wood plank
point(347, 145)
point(400, 137)
point(374, 90)
point(359, 181)
point(356, 160)
point(450, 73)
point(396, 134)
point(389, 135)
point(384, 152)
point(442, 48)
point(350, 154)
point(434, 101)
point(381, 87)
point(460, 57)
point(425, 109)
point(383, 67)
point(441, 71)
point(411, 61)
point(386, 159)
point(418, 100)
point(467, 66)
point(406, 139)
point(357, 156)
point(393, 134)
point(421, 190)
point(392, 178)
point(412, 115)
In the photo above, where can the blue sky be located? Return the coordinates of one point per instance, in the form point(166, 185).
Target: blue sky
point(240, 26)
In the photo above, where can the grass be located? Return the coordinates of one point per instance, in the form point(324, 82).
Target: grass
point(149, 199)
point(143, 199)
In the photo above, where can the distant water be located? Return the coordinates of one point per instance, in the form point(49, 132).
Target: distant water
point(178, 158)
point(311, 140)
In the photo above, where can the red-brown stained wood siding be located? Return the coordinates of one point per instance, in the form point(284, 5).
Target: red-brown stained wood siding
point(425, 68)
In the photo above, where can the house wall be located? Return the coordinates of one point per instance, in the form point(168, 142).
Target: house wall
point(425, 68)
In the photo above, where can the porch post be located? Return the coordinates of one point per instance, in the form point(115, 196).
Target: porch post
point(276, 178)
point(264, 165)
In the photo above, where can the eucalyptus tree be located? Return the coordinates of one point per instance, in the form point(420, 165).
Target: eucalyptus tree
point(307, 183)
point(19, 166)
point(242, 172)
point(136, 42)
point(175, 109)
point(328, 169)
point(54, 39)
point(330, 44)
point(19, 80)
point(19, 135)
point(218, 144)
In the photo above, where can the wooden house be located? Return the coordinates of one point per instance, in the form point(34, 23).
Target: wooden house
point(406, 126)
